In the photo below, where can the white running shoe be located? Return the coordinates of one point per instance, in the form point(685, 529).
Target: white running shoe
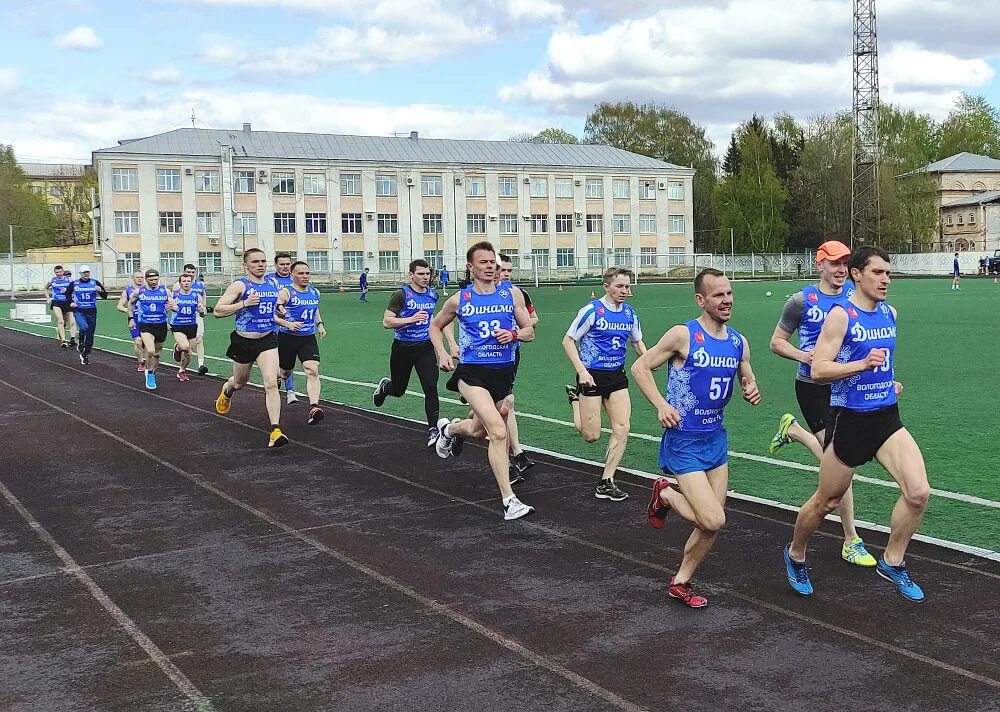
point(515, 509)
point(444, 443)
point(432, 436)
point(292, 398)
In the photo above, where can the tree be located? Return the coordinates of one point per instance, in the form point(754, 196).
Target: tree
point(909, 211)
point(731, 162)
point(27, 211)
point(973, 125)
point(74, 227)
point(523, 137)
point(555, 135)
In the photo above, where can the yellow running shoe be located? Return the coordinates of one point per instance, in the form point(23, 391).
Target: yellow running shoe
point(277, 439)
point(223, 402)
point(781, 438)
point(854, 552)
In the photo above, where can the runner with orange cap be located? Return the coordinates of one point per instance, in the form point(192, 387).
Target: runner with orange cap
point(805, 311)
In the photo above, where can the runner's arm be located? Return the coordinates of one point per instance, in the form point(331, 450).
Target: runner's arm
point(449, 336)
point(441, 320)
point(825, 368)
point(671, 344)
point(69, 295)
point(581, 324)
point(320, 328)
point(788, 323)
point(229, 303)
point(101, 290)
point(636, 338)
point(122, 303)
point(525, 330)
point(391, 318)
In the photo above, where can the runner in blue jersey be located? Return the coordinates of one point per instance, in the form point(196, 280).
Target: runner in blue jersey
point(956, 274)
point(805, 312)
point(282, 276)
point(596, 344)
point(123, 299)
point(56, 288)
point(198, 342)
point(444, 280)
point(363, 284)
point(252, 299)
point(299, 321)
point(708, 360)
point(82, 296)
point(491, 318)
point(148, 307)
point(856, 352)
point(184, 327)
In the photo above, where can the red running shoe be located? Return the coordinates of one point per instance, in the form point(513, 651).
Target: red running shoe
point(316, 414)
point(657, 510)
point(686, 595)
point(141, 367)
point(183, 377)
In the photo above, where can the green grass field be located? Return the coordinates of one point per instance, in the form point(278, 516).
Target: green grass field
point(947, 361)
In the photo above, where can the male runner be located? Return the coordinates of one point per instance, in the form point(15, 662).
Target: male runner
point(805, 312)
point(299, 321)
point(148, 308)
point(444, 280)
point(706, 356)
point(956, 275)
point(133, 330)
point(190, 306)
point(198, 342)
point(596, 344)
point(490, 319)
point(55, 288)
point(82, 297)
point(363, 284)
point(282, 276)
point(409, 314)
point(252, 299)
point(855, 352)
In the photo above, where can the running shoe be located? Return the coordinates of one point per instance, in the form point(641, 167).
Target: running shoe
point(177, 353)
point(901, 577)
point(140, 367)
point(521, 462)
point(459, 443)
point(64, 345)
point(316, 414)
point(515, 509)
point(72, 342)
point(379, 396)
point(183, 377)
point(202, 370)
point(84, 361)
point(150, 381)
point(432, 436)
point(277, 439)
point(656, 511)
point(684, 593)
point(781, 438)
point(573, 394)
point(513, 475)
point(223, 402)
point(607, 489)
point(291, 398)
point(797, 574)
point(447, 445)
point(854, 552)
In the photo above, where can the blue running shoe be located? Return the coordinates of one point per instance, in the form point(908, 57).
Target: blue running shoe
point(150, 381)
point(901, 577)
point(798, 575)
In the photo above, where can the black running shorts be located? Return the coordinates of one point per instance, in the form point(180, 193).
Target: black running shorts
point(857, 435)
point(498, 381)
point(244, 350)
point(293, 346)
point(605, 383)
point(814, 402)
point(159, 331)
point(189, 331)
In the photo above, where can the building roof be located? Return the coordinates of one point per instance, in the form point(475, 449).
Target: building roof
point(383, 149)
point(963, 163)
point(988, 196)
point(52, 170)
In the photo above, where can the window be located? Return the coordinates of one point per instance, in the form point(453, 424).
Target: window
point(385, 185)
point(284, 223)
point(564, 187)
point(58, 208)
point(623, 257)
point(432, 223)
point(564, 223)
point(208, 224)
point(388, 224)
point(314, 184)
point(676, 256)
point(243, 182)
point(245, 223)
point(475, 187)
point(476, 224)
point(949, 220)
point(507, 186)
point(621, 223)
point(508, 224)
point(127, 263)
point(595, 257)
point(539, 223)
point(56, 191)
point(350, 223)
point(354, 261)
point(540, 257)
point(647, 224)
point(960, 218)
point(210, 262)
point(124, 180)
point(171, 262)
point(595, 223)
point(430, 185)
point(168, 180)
point(595, 188)
point(127, 222)
point(350, 184)
point(675, 190)
point(318, 261)
point(620, 187)
point(647, 190)
point(972, 218)
point(206, 182)
point(37, 189)
point(170, 222)
point(283, 183)
point(388, 261)
point(675, 224)
point(539, 188)
point(565, 257)
point(435, 258)
point(647, 257)
point(315, 223)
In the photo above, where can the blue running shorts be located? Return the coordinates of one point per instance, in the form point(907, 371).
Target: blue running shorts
point(682, 453)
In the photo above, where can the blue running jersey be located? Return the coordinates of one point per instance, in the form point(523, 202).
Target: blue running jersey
point(187, 308)
point(301, 307)
point(815, 307)
point(700, 389)
point(151, 305)
point(603, 334)
point(59, 286)
point(868, 390)
point(198, 287)
point(85, 294)
point(478, 316)
point(258, 319)
point(279, 280)
point(416, 302)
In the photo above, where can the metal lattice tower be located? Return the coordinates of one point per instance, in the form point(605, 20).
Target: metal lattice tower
point(865, 189)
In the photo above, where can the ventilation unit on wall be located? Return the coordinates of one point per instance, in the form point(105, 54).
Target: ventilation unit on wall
point(662, 185)
point(213, 241)
point(578, 182)
point(527, 181)
point(262, 176)
point(409, 180)
point(188, 172)
point(369, 216)
point(458, 181)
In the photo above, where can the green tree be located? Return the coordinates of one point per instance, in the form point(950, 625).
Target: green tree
point(819, 204)
point(909, 211)
point(73, 226)
point(555, 135)
point(19, 206)
point(973, 125)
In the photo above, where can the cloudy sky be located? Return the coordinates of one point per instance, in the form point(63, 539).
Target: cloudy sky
point(77, 75)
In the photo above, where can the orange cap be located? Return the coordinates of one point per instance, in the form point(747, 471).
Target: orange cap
point(832, 250)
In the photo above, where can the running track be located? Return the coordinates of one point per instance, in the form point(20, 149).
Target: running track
point(154, 556)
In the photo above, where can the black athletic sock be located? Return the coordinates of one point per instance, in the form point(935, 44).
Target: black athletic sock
point(274, 426)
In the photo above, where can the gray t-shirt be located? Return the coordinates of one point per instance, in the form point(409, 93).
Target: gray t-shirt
point(791, 317)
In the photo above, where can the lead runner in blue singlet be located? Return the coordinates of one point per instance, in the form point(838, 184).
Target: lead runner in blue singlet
point(856, 352)
point(253, 299)
point(148, 307)
point(708, 361)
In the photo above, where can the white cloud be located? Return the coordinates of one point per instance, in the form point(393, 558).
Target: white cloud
point(163, 76)
point(8, 81)
point(80, 37)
